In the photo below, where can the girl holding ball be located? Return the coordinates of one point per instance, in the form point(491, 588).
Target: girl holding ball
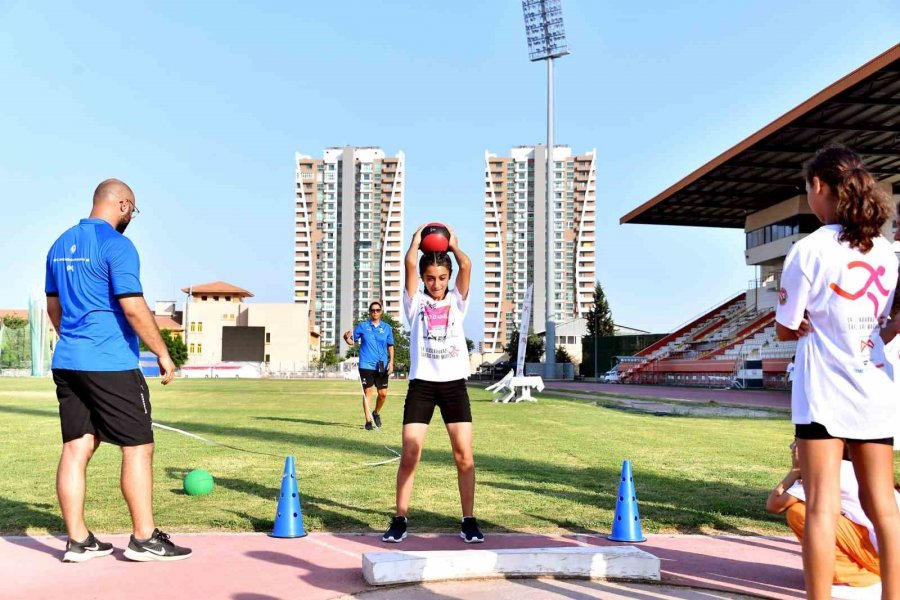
point(439, 366)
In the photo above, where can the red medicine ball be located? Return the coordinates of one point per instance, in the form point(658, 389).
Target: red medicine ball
point(435, 238)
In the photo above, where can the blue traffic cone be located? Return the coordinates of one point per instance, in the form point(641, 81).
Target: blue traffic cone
point(627, 522)
point(289, 518)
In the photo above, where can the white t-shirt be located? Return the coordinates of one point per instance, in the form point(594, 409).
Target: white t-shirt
point(850, 506)
point(437, 342)
point(842, 379)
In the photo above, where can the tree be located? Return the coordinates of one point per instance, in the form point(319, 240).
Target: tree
point(470, 345)
point(16, 340)
point(328, 356)
point(175, 345)
point(599, 317)
point(14, 322)
point(562, 355)
point(401, 342)
point(534, 347)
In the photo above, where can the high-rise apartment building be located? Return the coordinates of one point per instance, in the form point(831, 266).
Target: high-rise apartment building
point(348, 236)
point(515, 254)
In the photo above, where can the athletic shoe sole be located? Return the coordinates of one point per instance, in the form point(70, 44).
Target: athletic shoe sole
point(462, 536)
point(79, 557)
point(393, 540)
point(148, 556)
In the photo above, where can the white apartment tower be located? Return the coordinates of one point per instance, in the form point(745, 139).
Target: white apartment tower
point(348, 233)
point(515, 254)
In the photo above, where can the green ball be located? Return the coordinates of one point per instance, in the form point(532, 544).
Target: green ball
point(198, 483)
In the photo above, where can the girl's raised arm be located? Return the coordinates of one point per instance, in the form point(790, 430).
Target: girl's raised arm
point(465, 266)
point(412, 255)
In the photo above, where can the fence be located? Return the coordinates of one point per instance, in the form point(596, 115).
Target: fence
point(15, 351)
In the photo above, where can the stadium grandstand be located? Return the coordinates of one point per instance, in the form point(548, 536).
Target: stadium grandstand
point(758, 185)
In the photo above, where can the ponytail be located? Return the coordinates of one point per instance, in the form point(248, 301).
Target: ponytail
point(861, 207)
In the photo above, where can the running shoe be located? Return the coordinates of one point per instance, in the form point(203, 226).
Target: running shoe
point(90, 548)
point(397, 531)
point(368, 425)
point(158, 547)
point(469, 531)
point(377, 418)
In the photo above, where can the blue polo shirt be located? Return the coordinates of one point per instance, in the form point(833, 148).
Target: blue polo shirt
point(374, 340)
point(90, 267)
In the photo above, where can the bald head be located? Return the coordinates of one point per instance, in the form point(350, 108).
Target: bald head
point(112, 191)
point(114, 203)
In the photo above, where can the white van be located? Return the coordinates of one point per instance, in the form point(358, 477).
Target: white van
point(611, 376)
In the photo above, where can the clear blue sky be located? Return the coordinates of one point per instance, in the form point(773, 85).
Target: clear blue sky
point(200, 106)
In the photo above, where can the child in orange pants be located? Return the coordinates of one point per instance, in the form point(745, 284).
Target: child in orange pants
point(856, 561)
point(856, 553)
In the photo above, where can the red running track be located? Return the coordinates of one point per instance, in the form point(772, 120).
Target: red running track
point(253, 566)
point(755, 398)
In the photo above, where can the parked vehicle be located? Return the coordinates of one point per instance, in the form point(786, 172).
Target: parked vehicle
point(611, 376)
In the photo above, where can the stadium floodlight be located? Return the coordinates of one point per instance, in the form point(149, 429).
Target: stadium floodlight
point(546, 37)
point(544, 29)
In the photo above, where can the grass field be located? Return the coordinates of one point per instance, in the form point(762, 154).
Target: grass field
point(552, 466)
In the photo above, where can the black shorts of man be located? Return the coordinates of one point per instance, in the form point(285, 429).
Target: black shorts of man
point(376, 360)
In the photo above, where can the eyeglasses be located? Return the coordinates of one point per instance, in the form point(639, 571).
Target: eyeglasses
point(374, 310)
point(134, 208)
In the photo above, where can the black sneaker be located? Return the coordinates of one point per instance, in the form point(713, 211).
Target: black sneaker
point(377, 418)
point(469, 531)
point(397, 531)
point(158, 547)
point(90, 548)
point(368, 425)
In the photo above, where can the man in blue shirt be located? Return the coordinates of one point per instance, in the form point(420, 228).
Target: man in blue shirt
point(96, 303)
point(376, 359)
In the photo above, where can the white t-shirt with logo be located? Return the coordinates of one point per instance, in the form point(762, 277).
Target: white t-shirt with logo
point(437, 342)
point(850, 506)
point(842, 378)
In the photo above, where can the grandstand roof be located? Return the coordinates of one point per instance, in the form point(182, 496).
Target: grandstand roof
point(217, 287)
point(861, 110)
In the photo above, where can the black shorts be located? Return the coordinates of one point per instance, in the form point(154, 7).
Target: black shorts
point(451, 397)
point(112, 405)
point(817, 431)
point(372, 377)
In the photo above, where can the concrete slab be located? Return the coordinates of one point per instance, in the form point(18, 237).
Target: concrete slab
point(588, 562)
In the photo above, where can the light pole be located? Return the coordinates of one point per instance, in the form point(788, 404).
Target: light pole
point(546, 37)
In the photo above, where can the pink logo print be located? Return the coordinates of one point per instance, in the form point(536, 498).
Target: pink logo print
point(874, 278)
